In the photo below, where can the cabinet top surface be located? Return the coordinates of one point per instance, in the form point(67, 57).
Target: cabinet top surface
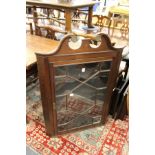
point(63, 3)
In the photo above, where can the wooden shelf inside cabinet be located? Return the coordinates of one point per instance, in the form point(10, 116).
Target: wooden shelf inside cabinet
point(76, 84)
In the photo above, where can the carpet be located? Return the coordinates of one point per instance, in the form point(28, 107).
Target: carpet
point(109, 139)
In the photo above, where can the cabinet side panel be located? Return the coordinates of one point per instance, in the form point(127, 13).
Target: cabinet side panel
point(111, 84)
point(46, 93)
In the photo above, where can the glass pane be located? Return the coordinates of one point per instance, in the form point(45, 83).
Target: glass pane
point(60, 71)
point(64, 85)
point(99, 81)
point(98, 96)
point(81, 72)
point(96, 113)
point(105, 65)
point(84, 91)
point(80, 91)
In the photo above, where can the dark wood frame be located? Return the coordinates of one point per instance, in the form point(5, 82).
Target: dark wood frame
point(65, 55)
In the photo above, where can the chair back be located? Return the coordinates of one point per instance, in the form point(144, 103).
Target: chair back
point(102, 22)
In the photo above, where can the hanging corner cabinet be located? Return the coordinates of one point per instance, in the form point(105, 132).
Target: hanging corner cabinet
point(76, 84)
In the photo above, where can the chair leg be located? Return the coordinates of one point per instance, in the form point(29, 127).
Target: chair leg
point(31, 29)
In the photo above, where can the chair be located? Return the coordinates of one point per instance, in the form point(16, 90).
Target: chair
point(45, 21)
point(80, 15)
point(102, 22)
point(125, 29)
point(49, 31)
point(47, 26)
point(119, 100)
point(51, 28)
point(119, 22)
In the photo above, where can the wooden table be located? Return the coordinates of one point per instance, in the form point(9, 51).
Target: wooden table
point(119, 10)
point(37, 44)
point(123, 13)
point(69, 6)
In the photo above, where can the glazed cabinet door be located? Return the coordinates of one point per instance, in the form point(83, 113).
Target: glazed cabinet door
point(80, 91)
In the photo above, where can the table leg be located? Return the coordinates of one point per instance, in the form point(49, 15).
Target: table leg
point(68, 20)
point(90, 13)
point(35, 20)
point(31, 28)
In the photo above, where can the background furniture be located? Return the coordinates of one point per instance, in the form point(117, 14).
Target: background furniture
point(120, 19)
point(67, 6)
point(30, 27)
point(33, 44)
point(36, 43)
point(102, 22)
point(119, 105)
point(45, 25)
point(50, 31)
point(76, 84)
point(119, 100)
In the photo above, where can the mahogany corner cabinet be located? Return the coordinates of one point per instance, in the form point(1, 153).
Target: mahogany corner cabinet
point(76, 84)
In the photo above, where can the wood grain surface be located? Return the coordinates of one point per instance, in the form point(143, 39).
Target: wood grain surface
point(38, 44)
